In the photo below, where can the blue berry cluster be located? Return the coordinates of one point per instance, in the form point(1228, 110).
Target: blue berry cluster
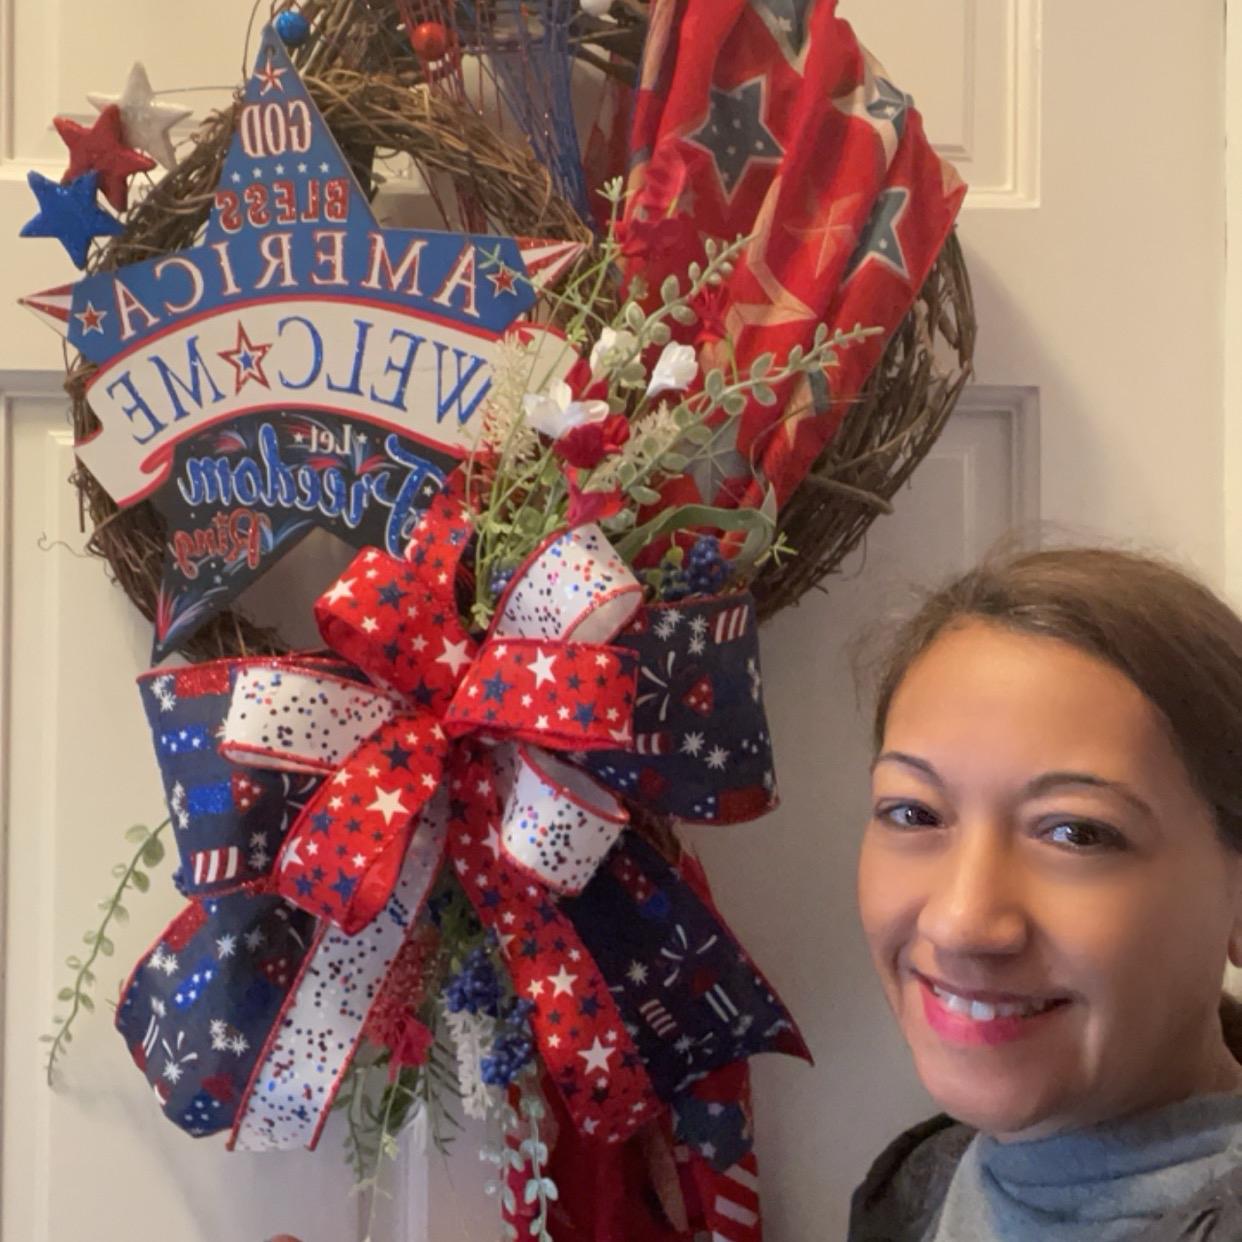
point(703, 572)
point(500, 581)
point(512, 1048)
point(475, 988)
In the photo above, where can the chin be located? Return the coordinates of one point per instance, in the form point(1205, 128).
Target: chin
point(994, 1104)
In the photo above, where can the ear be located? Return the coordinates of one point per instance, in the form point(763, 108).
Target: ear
point(1235, 931)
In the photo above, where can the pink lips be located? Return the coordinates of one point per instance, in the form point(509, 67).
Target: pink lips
point(958, 1028)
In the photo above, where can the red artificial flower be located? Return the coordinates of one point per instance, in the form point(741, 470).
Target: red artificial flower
point(410, 1043)
point(709, 305)
point(673, 239)
point(586, 445)
point(578, 377)
point(587, 507)
point(583, 384)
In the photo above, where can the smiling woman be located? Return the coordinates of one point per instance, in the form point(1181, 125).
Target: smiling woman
point(1051, 885)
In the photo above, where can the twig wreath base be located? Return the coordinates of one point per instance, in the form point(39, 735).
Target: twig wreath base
point(888, 430)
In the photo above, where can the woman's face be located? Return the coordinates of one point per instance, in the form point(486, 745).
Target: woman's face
point(1045, 895)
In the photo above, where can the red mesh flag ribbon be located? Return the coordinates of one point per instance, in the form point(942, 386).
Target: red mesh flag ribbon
point(767, 119)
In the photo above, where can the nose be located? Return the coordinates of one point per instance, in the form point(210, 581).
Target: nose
point(975, 902)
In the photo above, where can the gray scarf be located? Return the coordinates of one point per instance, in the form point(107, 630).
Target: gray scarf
point(1107, 1183)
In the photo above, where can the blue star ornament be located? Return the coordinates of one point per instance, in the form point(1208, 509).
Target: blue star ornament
point(70, 214)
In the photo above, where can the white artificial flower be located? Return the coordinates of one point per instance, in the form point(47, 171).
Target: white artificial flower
point(612, 349)
point(674, 371)
point(556, 412)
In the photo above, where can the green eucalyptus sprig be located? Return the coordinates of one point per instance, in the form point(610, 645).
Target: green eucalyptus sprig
point(526, 494)
point(149, 853)
point(540, 1188)
point(528, 497)
point(644, 329)
point(529, 1157)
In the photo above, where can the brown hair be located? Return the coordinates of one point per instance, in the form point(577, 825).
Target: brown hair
point(1168, 633)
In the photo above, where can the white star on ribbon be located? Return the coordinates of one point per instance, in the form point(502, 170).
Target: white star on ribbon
point(454, 655)
point(562, 982)
point(596, 1057)
point(291, 856)
point(388, 803)
point(342, 589)
point(541, 666)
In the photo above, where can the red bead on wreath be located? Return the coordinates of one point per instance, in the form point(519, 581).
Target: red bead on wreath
point(429, 40)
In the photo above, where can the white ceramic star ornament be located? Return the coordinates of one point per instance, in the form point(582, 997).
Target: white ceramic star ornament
point(145, 122)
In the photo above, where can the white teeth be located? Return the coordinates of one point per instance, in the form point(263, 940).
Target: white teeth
point(982, 1011)
point(1017, 1011)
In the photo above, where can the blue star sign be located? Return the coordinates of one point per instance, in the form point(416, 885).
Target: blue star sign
point(299, 367)
point(295, 297)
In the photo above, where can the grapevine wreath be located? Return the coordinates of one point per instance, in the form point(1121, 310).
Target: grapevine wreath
point(643, 389)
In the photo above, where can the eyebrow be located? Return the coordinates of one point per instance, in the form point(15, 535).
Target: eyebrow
point(1034, 788)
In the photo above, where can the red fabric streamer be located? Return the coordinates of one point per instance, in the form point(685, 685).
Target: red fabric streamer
point(767, 119)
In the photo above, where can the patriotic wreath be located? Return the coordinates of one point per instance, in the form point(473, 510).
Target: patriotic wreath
point(432, 866)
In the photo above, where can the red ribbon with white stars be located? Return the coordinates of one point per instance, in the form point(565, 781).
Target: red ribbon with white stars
point(478, 721)
point(383, 749)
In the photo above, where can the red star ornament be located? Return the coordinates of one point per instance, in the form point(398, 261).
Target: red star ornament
point(101, 148)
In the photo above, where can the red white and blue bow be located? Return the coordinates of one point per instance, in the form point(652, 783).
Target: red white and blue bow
point(474, 752)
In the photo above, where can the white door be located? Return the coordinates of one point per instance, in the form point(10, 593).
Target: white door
point(1092, 135)
point(95, 1159)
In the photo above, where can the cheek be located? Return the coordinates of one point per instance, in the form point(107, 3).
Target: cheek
point(888, 898)
point(1135, 939)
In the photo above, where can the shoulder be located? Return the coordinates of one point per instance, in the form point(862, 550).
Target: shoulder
point(1212, 1215)
point(899, 1197)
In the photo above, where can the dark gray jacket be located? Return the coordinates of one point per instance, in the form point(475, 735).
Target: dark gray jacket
point(901, 1196)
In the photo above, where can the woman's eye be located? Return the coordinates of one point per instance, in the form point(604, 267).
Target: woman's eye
point(907, 815)
point(1083, 834)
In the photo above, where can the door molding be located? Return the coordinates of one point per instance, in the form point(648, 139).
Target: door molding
point(1232, 404)
point(15, 386)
